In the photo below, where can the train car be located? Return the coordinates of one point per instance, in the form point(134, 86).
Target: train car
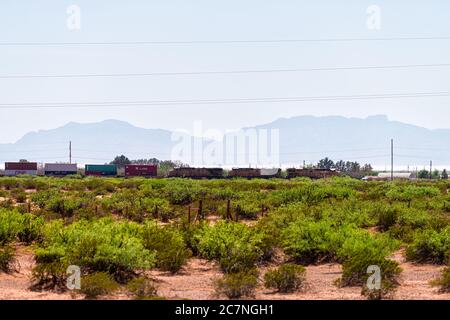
point(22, 167)
point(60, 169)
point(141, 170)
point(250, 173)
point(244, 173)
point(104, 170)
point(271, 173)
point(311, 173)
point(196, 173)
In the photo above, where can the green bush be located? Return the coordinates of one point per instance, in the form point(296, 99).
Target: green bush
point(19, 195)
point(387, 216)
point(430, 246)
point(142, 288)
point(247, 209)
point(169, 245)
point(286, 278)
point(101, 245)
point(49, 273)
point(15, 226)
point(361, 250)
point(97, 284)
point(386, 291)
point(236, 246)
point(310, 241)
point(7, 259)
point(237, 285)
point(444, 281)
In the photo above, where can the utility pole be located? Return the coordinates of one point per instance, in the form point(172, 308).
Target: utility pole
point(70, 152)
point(431, 169)
point(392, 159)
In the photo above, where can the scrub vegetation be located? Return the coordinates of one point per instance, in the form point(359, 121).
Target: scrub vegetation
point(116, 229)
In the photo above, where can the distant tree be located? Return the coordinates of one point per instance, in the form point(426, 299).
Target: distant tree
point(444, 174)
point(423, 174)
point(436, 174)
point(367, 168)
point(326, 163)
point(340, 166)
point(121, 161)
point(352, 166)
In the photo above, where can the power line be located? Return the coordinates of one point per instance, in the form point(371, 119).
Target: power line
point(124, 75)
point(220, 42)
point(220, 101)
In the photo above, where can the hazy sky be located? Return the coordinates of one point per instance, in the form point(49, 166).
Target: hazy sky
point(206, 20)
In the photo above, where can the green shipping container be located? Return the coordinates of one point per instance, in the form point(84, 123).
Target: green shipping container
point(100, 170)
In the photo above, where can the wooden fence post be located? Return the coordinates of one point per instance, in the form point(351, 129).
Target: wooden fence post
point(155, 213)
point(228, 210)
point(200, 209)
point(189, 214)
point(29, 206)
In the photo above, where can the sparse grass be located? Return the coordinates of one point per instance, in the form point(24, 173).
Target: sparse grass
point(286, 278)
point(237, 285)
point(97, 284)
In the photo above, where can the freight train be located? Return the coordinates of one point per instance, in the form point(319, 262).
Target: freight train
point(250, 173)
point(197, 173)
point(149, 171)
point(311, 173)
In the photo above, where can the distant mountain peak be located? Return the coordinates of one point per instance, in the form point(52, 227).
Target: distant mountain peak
point(378, 117)
point(302, 138)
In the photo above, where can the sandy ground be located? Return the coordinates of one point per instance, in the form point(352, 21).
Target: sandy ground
point(15, 286)
point(196, 281)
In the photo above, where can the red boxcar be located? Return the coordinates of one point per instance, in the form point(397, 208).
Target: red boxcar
point(20, 166)
point(140, 170)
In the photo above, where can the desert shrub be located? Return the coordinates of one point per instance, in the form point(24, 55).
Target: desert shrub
point(386, 291)
point(405, 234)
point(156, 206)
point(50, 269)
point(181, 192)
point(408, 193)
point(169, 245)
point(236, 246)
point(19, 195)
point(311, 193)
point(430, 246)
point(49, 276)
point(101, 245)
point(7, 259)
point(31, 228)
point(65, 206)
point(97, 284)
point(247, 209)
point(41, 198)
point(308, 241)
point(386, 216)
point(413, 218)
point(443, 281)
point(142, 288)
point(237, 285)
point(223, 194)
point(286, 278)
point(15, 226)
point(9, 183)
point(361, 250)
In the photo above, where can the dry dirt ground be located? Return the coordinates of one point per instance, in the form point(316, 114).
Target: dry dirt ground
point(196, 281)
